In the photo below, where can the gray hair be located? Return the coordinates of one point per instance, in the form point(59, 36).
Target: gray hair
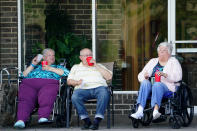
point(84, 49)
point(166, 44)
point(46, 50)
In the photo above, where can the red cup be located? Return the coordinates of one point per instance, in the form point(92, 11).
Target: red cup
point(88, 59)
point(157, 77)
point(44, 63)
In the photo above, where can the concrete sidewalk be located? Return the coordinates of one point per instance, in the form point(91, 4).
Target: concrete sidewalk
point(121, 123)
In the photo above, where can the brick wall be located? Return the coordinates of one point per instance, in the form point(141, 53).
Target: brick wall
point(8, 47)
point(122, 104)
point(8, 33)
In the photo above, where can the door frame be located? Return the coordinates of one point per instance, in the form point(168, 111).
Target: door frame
point(172, 31)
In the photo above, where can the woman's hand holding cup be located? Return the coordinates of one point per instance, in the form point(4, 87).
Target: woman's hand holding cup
point(34, 61)
point(146, 76)
point(158, 76)
point(37, 59)
point(45, 65)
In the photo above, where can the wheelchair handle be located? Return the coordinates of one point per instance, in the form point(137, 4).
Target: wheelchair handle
point(7, 72)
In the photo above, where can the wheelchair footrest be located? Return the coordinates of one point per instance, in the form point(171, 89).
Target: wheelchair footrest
point(162, 118)
point(46, 123)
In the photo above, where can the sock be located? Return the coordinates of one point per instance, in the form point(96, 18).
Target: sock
point(140, 109)
point(87, 120)
point(97, 120)
point(155, 112)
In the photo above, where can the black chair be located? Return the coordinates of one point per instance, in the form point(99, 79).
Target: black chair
point(110, 107)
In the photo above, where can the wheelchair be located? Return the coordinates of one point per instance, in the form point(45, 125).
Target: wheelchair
point(178, 106)
point(8, 89)
point(58, 115)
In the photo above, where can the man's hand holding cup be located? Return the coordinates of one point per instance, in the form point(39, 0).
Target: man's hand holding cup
point(90, 61)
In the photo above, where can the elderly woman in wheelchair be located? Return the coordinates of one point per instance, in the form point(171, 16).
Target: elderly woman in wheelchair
point(168, 69)
point(40, 85)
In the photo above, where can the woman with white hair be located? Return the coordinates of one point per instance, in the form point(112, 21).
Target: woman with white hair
point(170, 71)
point(40, 85)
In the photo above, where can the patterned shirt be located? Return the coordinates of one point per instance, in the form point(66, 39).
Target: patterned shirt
point(39, 73)
point(158, 67)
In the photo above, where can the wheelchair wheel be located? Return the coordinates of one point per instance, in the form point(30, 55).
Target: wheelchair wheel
point(175, 122)
point(61, 109)
point(135, 123)
point(61, 118)
point(147, 118)
point(187, 113)
point(60, 122)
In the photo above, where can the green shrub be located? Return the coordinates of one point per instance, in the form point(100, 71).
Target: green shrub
point(69, 47)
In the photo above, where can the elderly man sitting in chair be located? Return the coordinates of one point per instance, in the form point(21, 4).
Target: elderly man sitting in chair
point(40, 84)
point(89, 80)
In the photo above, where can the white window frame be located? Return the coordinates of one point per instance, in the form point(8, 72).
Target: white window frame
point(172, 31)
point(19, 34)
point(94, 28)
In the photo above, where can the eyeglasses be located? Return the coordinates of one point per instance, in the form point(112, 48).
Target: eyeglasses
point(86, 55)
point(163, 50)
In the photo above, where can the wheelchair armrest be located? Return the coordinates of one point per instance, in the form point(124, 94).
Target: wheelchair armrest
point(178, 82)
point(64, 79)
point(20, 77)
point(111, 89)
point(69, 89)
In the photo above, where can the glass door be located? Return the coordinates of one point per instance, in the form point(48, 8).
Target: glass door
point(186, 40)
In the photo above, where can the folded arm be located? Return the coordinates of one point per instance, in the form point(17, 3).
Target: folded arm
point(105, 73)
point(74, 82)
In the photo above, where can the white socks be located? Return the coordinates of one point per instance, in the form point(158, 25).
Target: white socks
point(139, 114)
point(156, 114)
point(140, 109)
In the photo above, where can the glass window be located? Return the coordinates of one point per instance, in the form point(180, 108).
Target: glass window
point(186, 30)
point(64, 26)
point(186, 26)
point(128, 32)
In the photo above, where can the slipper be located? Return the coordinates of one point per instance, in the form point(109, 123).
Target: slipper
point(43, 120)
point(19, 124)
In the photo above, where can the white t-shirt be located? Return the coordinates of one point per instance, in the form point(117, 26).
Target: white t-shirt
point(91, 77)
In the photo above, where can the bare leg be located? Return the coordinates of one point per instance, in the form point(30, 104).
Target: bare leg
point(156, 107)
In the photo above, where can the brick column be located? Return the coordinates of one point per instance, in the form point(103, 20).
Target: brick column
point(8, 44)
point(8, 33)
